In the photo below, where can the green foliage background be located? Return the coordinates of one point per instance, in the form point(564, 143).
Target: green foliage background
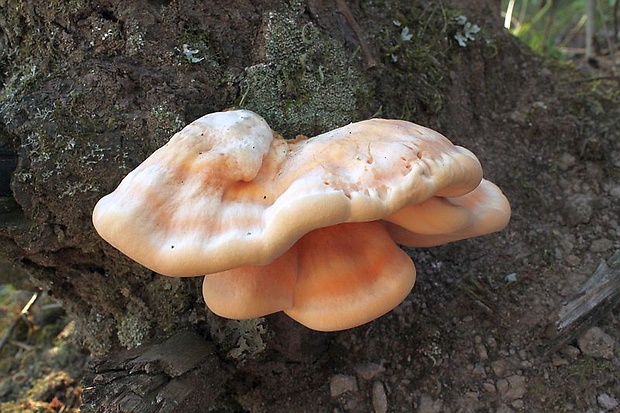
point(552, 27)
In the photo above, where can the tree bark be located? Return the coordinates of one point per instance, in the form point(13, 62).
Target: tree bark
point(92, 88)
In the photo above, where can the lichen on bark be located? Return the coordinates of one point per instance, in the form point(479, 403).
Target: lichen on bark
point(305, 81)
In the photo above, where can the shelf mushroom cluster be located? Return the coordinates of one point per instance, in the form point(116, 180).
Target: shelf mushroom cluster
point(308, 226)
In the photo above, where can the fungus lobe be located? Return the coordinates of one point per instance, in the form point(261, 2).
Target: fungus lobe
point(307, 226)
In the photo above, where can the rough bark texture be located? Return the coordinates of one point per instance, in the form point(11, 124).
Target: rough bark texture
point(91, 88)
point(168, 377)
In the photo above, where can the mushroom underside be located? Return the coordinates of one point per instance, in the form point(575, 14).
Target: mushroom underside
point(333, 278)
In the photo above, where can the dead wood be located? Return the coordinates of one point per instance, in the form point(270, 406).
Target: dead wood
point(181, 374)
point(595, 299)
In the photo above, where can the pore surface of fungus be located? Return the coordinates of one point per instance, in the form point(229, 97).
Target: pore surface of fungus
point(305, 226)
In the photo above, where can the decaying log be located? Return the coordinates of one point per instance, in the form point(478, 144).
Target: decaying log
point(596, 298)
point(182, 374)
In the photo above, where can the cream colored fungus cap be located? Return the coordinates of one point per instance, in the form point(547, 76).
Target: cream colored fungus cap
point(227, 192)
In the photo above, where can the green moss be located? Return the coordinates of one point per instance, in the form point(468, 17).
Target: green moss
point(7, 364)
point(170, 297)
point(307, 82)
point(134, 327)
point(419, 48)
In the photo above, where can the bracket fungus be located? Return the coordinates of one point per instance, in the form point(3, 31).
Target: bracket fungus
point(307, 226)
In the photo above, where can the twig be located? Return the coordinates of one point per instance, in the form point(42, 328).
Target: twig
point(616, 19)
point(21, 345)
point(596, 298)
point(344, 9)
point(611, 44)
point(21, 316)
point(594, 79)
point(589, 29)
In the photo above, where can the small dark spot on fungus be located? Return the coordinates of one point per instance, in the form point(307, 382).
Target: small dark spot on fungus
point(172, 247)
point(264, 196)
